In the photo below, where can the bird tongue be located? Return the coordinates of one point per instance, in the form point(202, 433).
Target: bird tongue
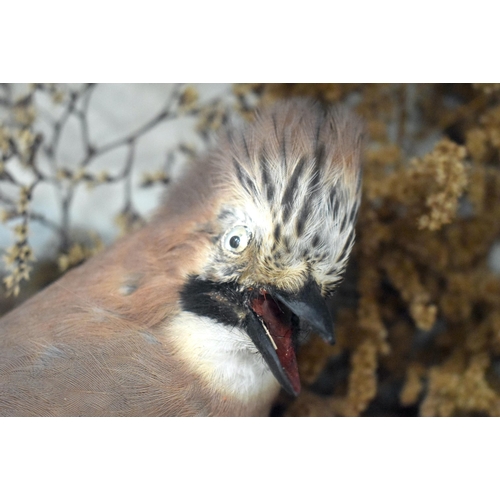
point(278, 322)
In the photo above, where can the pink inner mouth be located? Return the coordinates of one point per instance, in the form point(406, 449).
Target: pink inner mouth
point(278, 321)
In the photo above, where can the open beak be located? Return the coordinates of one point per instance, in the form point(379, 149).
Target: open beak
point(276, 321)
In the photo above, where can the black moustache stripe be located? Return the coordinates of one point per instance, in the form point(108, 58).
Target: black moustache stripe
point(218, 301)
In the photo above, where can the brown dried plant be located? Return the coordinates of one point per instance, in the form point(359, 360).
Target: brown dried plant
point(422, 336)
point(23, 151)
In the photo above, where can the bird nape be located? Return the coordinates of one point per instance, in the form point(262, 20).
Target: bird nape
point(200, 312)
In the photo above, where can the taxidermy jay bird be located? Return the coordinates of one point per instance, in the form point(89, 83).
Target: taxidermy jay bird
point(199, 312)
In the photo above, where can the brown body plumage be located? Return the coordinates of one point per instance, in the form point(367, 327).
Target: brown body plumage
point(123, 335)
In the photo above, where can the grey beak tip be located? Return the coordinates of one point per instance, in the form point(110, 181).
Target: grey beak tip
point(325, 328)
point(311, 308)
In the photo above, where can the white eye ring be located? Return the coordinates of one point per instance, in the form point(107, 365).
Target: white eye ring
point(236, 239)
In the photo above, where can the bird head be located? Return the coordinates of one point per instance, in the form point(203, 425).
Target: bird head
point(282, 194)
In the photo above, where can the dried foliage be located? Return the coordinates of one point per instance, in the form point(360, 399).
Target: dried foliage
point(29, 160)
point(418, 315)
point(421, 335)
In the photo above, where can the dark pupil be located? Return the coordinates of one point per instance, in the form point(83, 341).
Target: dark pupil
point(234, 242)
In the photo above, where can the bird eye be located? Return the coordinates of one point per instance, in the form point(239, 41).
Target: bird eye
point(237, 239)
